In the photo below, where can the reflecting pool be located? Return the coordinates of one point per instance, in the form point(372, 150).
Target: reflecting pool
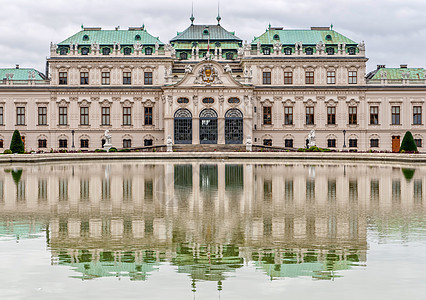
point(212, 230)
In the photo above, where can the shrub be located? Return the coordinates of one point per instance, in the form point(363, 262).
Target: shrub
point(7, 151)
point(122, 150)
point(100, 150)
point(408, 143)
point(301, 150)
point(16, 144)
point(112, 149)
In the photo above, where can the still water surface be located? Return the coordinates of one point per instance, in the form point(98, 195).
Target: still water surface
point(215, 230)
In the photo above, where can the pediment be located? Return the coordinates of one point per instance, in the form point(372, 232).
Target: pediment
point(207, 74)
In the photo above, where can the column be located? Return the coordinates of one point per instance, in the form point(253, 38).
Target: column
point(221, 130)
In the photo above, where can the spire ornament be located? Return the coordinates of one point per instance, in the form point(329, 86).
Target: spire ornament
point(192, 14)
point(218, 18)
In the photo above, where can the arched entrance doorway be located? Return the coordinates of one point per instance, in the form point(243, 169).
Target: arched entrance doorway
point(183, 126)
point(234, 126)
point(208, 126)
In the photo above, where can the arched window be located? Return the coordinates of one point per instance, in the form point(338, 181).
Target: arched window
point(234, 126)
point(148, 51)
point(183, 126)
point(137, 37)
point(205, 31)
point(276, 37)
point(287, 51)
point(266, 51)
point(328, 37)
point(182, 100)
point(84, 51)
point(106, 51)
point(309, 51)
point(330, 51)
point(183, 55)
point(208, 126)
point(63, 51)
point(85, 37)
point(229, 55)
point(208, 100)
point(127, 51)
point(351, 51)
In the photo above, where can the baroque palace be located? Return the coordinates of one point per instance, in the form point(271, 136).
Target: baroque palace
point(207, 86)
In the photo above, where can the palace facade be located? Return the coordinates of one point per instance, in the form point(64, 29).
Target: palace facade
point(207, 86)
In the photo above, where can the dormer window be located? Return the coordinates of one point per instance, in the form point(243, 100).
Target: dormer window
point(137, 37)
point(127, 51)
point(266, 51)
point(328, 37)
point(276, 37)
point(85, 37)
point(309, 51)
point(330, 51)
point(194, 44)
point(217, 44)
point(229, 55)
point(205, 31)
point(287, 51)
point(84, 51)
point(352, 51)
point(148, 51)
point(183, 55)
point(105, 51)
point(63, 51)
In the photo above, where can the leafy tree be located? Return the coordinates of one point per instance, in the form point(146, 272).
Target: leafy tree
point(16, 145)
point(408, 143)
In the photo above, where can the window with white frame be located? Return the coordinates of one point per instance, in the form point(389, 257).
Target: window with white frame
point(352, 77)
point(288, 115)
point(417, 115)
point(63, 115)
point(127, 116)
point(396, 116)
point(352, 115)
point(106, 118)
point(106, 78)
point(374, 115)
point(20, 116)
point(84, 115)
point(1, 116)
point(331, 77)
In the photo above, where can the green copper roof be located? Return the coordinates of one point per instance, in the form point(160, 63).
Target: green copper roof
point(198, 33)
point(309, 37)
point(203, 45)
point(20, 74)
point(396, 73)
point(109, 37)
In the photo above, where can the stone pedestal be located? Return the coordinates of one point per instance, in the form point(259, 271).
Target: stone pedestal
point(107, 147)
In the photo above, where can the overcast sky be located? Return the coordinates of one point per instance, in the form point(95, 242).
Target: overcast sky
point(394, 31)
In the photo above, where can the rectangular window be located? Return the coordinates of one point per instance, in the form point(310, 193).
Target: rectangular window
point(353, 143)
point(148, 142)
point(148, 115)
point(396, 115)
point(105, 78)
point(374, 143)
point(127, 116)
point(331, 143)
point(105, 116)
point(374, 115)
point(288, 77)
point(267, 115)
point(352, 77)
point(288, 115)
point(331, 77)
point(127, 143)
point(331, 115)
point(42, 143)
point(352, 115)
point(148, 78)
point(84, 143)
point(84, 78)
point(266, 77)
point(1, 116)
point(417, 115)
point(42, 116)
point(84, 116)
point(63, 143)
point(288, 143)
point(20, 116)
point(310, 115)
point(127, 78)
point(418, 142)
point(63, 116)
point(309, 77)
point(1, 143)
point(63, 78)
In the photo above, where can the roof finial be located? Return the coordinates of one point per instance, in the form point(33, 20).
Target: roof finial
point(218, 18)
point(192, 14)
point(331, 26)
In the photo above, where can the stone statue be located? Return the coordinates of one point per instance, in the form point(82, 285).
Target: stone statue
point(227, 68)
point(311, 138)
point(107, 144)
point(169, 144)
point(320, 46)
point(250, 74)
point(246, 47)
point(361, 46)
point(188, 69)
point(383, 75)
point(53, 47)
point(137, 46)
point(240, 51)
point(156, 47)
point(258, 45)
point(246, 72)
point(277, 47)
point(249, 144)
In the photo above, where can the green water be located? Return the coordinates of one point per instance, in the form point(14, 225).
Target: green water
point(212, 230)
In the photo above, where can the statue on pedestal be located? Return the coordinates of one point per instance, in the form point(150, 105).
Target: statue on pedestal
point(249, 144)
point(311, 138)
point(107, 144)
point(169, 144)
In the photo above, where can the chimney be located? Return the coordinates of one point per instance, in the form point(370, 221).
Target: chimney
point(17, 66)
point(381, 67)
point(403, 66)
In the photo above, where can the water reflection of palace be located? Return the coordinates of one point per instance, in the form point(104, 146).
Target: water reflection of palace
point(208, 219)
